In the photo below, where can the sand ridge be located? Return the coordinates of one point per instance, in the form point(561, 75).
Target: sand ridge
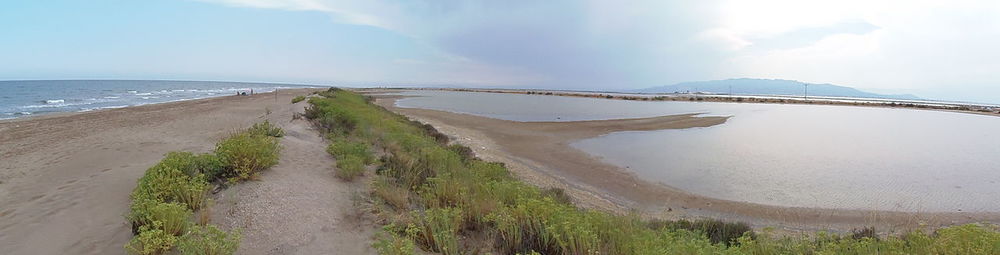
point(297, 206)
point(65, 178)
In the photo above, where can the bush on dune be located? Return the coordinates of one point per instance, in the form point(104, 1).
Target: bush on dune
point(298, 99)
point(151, 241)
point(265, 129)
point(245, 154)
point(169, 192)
point(349, 167)
point(208, 240)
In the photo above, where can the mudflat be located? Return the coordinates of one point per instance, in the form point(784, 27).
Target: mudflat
point(65, 179)
point(539, 153)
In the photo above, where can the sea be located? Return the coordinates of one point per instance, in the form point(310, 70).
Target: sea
point(37, 97)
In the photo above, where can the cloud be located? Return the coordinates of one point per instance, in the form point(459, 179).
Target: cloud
point(923, 45)
point(565, 44)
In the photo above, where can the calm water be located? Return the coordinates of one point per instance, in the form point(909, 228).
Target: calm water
point(24, 98)
point(788, 155)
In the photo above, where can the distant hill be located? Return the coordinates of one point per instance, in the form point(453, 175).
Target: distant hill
point(747, 86)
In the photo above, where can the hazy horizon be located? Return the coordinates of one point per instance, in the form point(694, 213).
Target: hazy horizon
point(938, 50)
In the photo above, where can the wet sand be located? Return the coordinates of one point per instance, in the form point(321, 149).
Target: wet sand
point(539, 153)
point(65, 178)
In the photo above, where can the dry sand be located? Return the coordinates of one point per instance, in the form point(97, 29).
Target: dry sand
point(65, 179)
point(297, 206)
point(539, 153)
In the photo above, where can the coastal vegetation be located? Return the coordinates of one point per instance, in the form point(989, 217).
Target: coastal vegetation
point(437, 196)
point(298, 99)
point(168, 194)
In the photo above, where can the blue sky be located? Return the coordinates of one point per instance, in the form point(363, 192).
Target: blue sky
point(936, 49)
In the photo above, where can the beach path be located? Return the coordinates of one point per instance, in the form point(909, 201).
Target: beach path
point(297, 206)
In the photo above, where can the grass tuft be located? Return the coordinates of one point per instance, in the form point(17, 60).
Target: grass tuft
point(208, 240)
point(246, 154)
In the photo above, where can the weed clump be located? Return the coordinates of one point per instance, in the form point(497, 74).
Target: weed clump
point(265, 129)
point(168, 193)
point(298, 99)
point(208, 240)
point(350, 167)
point(246, 154)
point(151, 241)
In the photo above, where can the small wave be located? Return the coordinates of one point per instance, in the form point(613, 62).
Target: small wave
point(133, 91)
point(144, 94)
point(177, 90)
point(55, 101)
point(25, 113)
point(112, 97)
point(104, 107)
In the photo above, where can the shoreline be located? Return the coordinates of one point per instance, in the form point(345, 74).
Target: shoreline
point(68, 113)
point(530, 150)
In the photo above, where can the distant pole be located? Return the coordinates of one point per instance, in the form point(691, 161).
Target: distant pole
point(805, 96)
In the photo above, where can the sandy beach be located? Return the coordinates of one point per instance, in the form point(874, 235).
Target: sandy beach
point(539, 153)
point(65, 179)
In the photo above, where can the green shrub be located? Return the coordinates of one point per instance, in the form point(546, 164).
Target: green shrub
point(391, 193)
point(245, 154)
point(717, 231)
point(298, 99)
point(389, 243)
point(350, 167)
point(266, 129)
point(166, 183)
point(172, 218)
point(341, 148)
point(208, 240)
point(151, 241)
point(437, 229)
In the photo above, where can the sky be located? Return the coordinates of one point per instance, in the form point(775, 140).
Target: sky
point(934, 49)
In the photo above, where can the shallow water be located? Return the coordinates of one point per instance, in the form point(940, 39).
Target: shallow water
point(786, 155)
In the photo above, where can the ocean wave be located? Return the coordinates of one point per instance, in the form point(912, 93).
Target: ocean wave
point(144, 94)
point(103, 107)
point(112, 97)
point(55, 101)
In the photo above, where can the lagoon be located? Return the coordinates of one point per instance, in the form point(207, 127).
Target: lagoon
point(816, 156)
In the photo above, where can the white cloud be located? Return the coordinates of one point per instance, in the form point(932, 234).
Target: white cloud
point(922, 45)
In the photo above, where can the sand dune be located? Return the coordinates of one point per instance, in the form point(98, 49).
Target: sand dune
point(65, 179)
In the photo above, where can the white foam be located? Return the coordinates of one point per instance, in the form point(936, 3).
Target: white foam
point(144, 94)
point(55, 101)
